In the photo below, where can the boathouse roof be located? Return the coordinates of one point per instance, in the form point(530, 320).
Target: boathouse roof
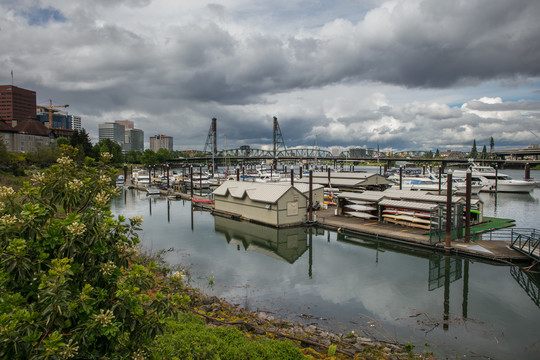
point(262, 192)
point(408, 205)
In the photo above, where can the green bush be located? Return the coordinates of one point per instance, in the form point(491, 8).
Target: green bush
point(189, 338)
point(68, 285)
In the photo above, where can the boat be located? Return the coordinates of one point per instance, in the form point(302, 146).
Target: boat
point(120, 181)
point(150, 190)
point(141, 177)
point(494, 181)
point(202, 201)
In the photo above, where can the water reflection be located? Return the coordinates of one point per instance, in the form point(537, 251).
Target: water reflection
point(530, 282)
point(287, 244)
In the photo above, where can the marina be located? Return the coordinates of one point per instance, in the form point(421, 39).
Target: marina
point(461, 304)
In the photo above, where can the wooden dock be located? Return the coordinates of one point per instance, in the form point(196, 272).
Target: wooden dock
point(491, 250)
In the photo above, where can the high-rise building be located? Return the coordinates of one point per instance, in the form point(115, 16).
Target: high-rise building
point(135, 139)
point(112, 131)
point(76, 122)
point(17, 103)
point(127, 124)
point(161, 142)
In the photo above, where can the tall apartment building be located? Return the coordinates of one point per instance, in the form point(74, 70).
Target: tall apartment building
point(161, 141)
point(17, 103)
point(127, 124)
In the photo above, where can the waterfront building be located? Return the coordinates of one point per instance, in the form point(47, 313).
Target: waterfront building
point(161, 142)
point(17, 103)
point(272, 204)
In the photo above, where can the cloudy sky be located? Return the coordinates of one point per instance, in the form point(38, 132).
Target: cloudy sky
point(404, 74)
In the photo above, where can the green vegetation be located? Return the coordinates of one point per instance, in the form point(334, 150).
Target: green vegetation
point(190, 338)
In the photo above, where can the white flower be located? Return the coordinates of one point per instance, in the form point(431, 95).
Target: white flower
point(177, 275)
point(102, 198)
point(106, 156)
point(6, 191)
point(38, 178)
point(64, 160)
point(8, 220)
point(108, 268)
point(76, 228)
point(104, 179)
point(137, 220)
point(74, 185)
point(104, 317)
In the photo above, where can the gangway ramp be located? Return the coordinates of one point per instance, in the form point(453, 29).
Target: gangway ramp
point(526, 241)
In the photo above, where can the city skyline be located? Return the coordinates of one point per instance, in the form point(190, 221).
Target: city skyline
point(408, 75)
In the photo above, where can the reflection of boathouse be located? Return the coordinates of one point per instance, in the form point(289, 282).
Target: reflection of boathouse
point(268, 203)
point(286, 244)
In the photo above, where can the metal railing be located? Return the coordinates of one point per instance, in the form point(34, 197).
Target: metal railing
point(526, 241)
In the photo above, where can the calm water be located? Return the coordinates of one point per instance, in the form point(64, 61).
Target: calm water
point(345, 283)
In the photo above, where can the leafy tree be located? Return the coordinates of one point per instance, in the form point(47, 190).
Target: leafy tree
point(163, 155)
point(44, 155)
point(437, 154)
point(149, 157)
point(133, 157)
point(62, 141)
point(5, 155)
point(111, 147)
point(474, 151)
point(69, 287)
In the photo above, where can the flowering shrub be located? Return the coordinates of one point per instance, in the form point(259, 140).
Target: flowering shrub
point(69, 287)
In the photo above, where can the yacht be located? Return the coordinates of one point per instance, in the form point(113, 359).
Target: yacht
point(141, 177)
point(492, 181)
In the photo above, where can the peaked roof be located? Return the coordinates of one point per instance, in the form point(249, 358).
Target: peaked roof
point(262, 192)
point(4, 127)
point(32, 127)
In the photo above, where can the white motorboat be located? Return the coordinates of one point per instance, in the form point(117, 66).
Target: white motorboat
point(141, 177)
point(492, 180)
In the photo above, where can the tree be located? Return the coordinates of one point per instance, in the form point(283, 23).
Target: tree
point(69, 282)
point(484, 154)
point(163, 155)
point(491, 144)
point(133, 157)
point(437, 154)
point(149, 157)
point(81, 141)
point(62, 141)
point(111, 147)
point(474, 151)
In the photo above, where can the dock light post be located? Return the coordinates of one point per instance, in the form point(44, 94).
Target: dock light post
point(448, 240)
point(125, 173)
point(496, 177)
point(191, 180)
point(310, 200)
point(527, 171)
point(468, 206)
point(168, 183)
point(292, 176)
point(400, 178)
point(440, 179)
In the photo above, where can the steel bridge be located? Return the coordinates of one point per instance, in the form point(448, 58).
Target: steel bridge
point(279, 152)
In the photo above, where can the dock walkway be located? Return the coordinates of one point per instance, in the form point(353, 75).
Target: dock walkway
point(486, 249)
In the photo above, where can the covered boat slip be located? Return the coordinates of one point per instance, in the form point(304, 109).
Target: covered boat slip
point(349, 181)
point(275, 204)
point(413, 209)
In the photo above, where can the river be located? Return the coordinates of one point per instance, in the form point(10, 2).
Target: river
point(452, 306)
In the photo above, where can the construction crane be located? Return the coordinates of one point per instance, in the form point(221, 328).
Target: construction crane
point(50, 107)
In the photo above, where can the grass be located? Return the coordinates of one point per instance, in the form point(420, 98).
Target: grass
point(190, 338)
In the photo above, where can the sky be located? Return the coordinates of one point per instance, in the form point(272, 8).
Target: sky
point(399, 75)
